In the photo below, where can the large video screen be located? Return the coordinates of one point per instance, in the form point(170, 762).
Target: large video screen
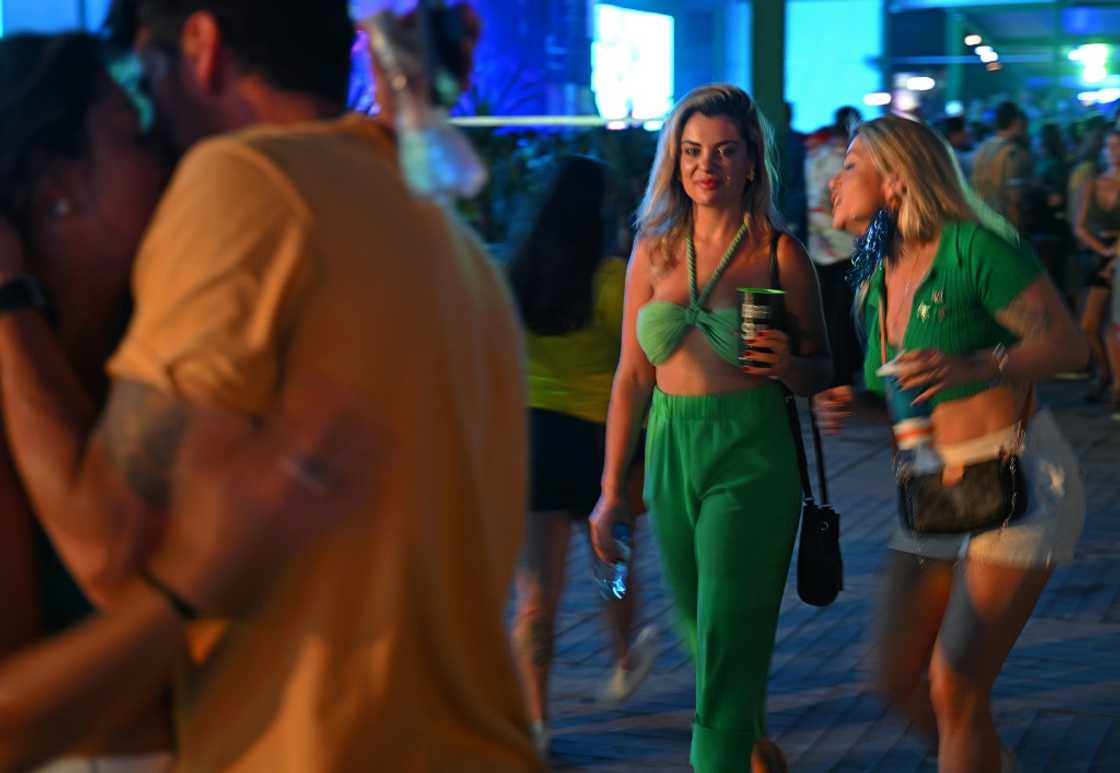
point(632, 63)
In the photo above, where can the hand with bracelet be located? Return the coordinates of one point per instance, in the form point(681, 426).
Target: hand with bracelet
point(937, 371)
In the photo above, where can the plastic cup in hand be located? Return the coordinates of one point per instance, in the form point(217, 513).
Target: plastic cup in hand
point(900, 402)
point(759, 309)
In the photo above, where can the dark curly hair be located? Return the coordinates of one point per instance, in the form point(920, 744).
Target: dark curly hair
point(555, 257)
point(295, 45)
point(48, 83)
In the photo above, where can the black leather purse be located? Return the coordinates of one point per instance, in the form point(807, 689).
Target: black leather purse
point(990, 494)
point(820, 565)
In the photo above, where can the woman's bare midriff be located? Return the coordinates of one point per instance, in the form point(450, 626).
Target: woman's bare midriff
point(969, 418)
point(696, 369)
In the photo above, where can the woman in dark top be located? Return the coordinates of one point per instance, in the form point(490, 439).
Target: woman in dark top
point(1098, 228)
point(78, 183)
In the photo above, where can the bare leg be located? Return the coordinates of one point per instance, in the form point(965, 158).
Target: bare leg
point(915, 596)
point(1112, 345)
point(540, 582)
point(1092, 316)
point(987, 610)
point(767, 757)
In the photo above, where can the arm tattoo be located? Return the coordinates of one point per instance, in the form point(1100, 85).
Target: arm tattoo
point(143, 429)
point(1027, 318)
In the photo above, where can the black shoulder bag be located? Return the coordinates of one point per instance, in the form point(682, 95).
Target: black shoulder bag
point(820, 566)
point(990, 494)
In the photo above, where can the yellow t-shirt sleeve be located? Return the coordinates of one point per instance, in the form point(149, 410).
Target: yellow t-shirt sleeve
point(218, 281)
point(611, 288)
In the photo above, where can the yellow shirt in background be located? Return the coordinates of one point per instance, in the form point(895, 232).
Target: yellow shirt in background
point(572, 373)
point(296, 254)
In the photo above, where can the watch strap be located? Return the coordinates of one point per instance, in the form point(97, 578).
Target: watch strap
point(23, 292)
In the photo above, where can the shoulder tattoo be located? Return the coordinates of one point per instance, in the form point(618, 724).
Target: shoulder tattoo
point(143, 429)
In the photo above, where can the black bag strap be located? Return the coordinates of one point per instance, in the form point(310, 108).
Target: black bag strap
point(791, 407)
point(798, 443)
point(822, 475)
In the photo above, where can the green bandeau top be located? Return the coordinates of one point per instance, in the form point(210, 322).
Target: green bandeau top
point(661, 325)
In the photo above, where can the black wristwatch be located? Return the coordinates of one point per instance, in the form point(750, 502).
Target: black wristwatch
point(24, 292)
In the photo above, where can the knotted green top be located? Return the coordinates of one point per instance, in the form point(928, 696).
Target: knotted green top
point(661, 325)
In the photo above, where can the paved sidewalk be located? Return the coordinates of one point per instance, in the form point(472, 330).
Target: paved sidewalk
point(1057, 700)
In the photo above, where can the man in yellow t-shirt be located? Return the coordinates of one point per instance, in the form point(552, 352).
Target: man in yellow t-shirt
point(291, 252)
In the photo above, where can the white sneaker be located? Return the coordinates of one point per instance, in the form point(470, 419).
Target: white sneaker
point(623, 682)
point(542, 739)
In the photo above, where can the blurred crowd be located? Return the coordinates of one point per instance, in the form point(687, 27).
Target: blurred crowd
point(1036, 174)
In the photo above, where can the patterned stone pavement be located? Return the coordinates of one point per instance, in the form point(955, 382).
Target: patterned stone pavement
point(1057, 700)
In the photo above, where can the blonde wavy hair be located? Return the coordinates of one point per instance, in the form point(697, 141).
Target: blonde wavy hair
point(665, 214)
point(933, 187)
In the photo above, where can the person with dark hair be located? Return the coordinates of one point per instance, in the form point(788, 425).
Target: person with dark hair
point(279, 70)
point(570, 297)
point(78, 183)
point(1051, 235)
point(1053, 164)
point(721, 474)
point(1098, 228)
point(955, 129)
point(830, 249)
point(792, 192)
point(289, 247)
point(1002, 169)
point(1086, 165)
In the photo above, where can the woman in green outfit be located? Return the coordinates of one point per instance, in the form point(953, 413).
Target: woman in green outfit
point(976, 321)
point(721, 472)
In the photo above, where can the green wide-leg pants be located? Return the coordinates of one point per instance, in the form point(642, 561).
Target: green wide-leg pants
point(724, 493)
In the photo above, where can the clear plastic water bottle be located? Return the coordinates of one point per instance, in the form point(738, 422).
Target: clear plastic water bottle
point(612, 577)
point(436, 158)
point(914, 440)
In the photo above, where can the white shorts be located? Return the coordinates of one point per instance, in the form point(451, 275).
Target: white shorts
point(1043, 536)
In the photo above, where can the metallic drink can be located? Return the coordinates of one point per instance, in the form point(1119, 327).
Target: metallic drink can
point(760, 308)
